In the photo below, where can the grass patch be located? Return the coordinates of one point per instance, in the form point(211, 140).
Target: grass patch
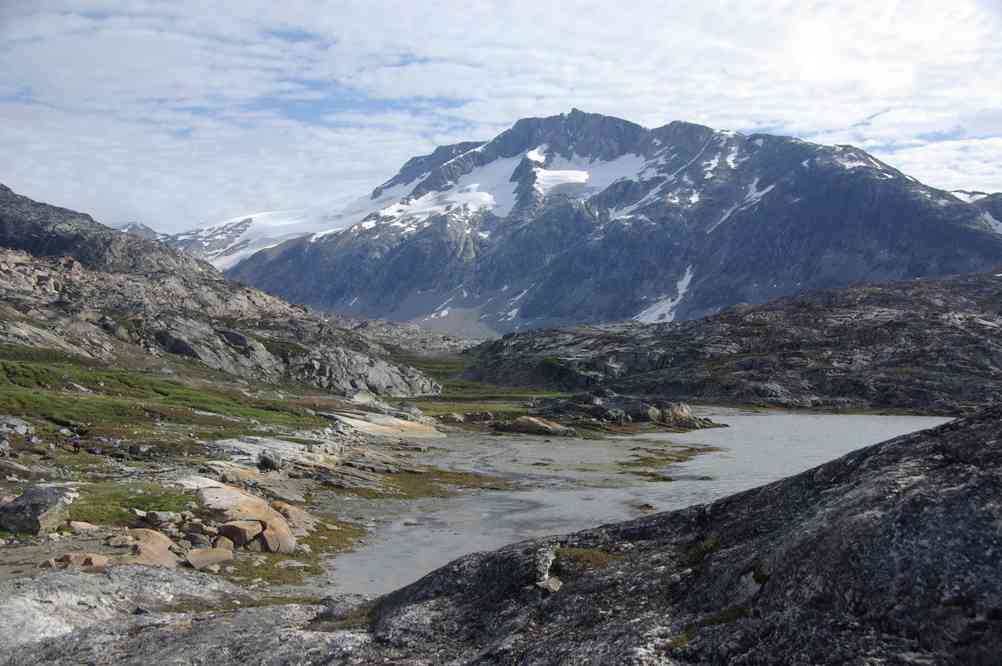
point(110, 503)
point(439, 407)
point(113, 402)
point(433, 482)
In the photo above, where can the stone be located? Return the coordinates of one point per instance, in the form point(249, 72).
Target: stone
point(300, 521)
point(39, 510)
point(11, 468)
point(120, 541)
point(199, 540)
point(228, 504)
point(241, 532)
point(6, 450)
point(201, 558)
point(96, 561)
point(223, 542)
point(278, 538)
point(11, 425)
point(81, 527)
point(533, 425)
point(162, 518)
point(151, 548)
point(269, 460)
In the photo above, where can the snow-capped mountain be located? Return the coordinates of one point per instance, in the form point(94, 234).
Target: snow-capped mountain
point(582, 217)
point(141, 230)
point(227, 243)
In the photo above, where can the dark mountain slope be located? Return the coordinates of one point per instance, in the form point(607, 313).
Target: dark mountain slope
point(928, 345)
point(580, 218)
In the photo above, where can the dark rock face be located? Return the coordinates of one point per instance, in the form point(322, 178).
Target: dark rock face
point(931, 345)
point(581, 218)
point(887, 555)
point(50, 231)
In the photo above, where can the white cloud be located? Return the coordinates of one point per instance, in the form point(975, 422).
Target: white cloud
point(178, 113)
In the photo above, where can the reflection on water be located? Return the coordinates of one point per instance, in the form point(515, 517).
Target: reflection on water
point(419, 536)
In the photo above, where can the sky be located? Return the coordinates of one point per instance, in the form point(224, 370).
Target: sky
point(178, 114)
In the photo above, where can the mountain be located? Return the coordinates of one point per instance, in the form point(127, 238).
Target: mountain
point(49, 231)
point(583, 217)
point(931, 345)
point(141, 230)
point(227, 243)
point(71, 285)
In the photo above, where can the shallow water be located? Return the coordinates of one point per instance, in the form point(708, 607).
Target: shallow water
point(574, 485)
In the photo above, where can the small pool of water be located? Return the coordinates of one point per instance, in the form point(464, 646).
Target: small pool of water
point(574, 485)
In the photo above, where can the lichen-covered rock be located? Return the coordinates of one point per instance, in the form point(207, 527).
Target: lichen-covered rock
point(38, 510)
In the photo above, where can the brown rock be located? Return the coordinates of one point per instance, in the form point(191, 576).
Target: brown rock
point(533, 425)
point(223, 542)
point(241, 532)
point(96, 561)
point(202, 558)
point(278, 538)
point(300, 520)
point(151, 548)
point(79, 527)
point(229, 504)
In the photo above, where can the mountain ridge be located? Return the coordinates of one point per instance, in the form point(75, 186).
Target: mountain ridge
point(582, 218)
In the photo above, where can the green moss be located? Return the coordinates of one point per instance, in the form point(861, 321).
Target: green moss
point(360, 617)
point(103, 400)
point(432, 482)
point(110, 503)
point(284, 349)
point(575, 561)
point(759, 574)
point(726, 616)
point(438, 407)
point(696, 554)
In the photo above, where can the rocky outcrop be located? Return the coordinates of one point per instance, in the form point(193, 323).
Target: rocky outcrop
point(533, 425)
point(38, 510)
point(49, 231)
point(608, 407)
point(61, 305)
point(58, 603)
point(581, 218)
point(886, 555)
point(927, 345)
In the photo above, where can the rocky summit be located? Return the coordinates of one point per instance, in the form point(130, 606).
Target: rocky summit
point(582, 218)
point(928, 345)
point(886, 555)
